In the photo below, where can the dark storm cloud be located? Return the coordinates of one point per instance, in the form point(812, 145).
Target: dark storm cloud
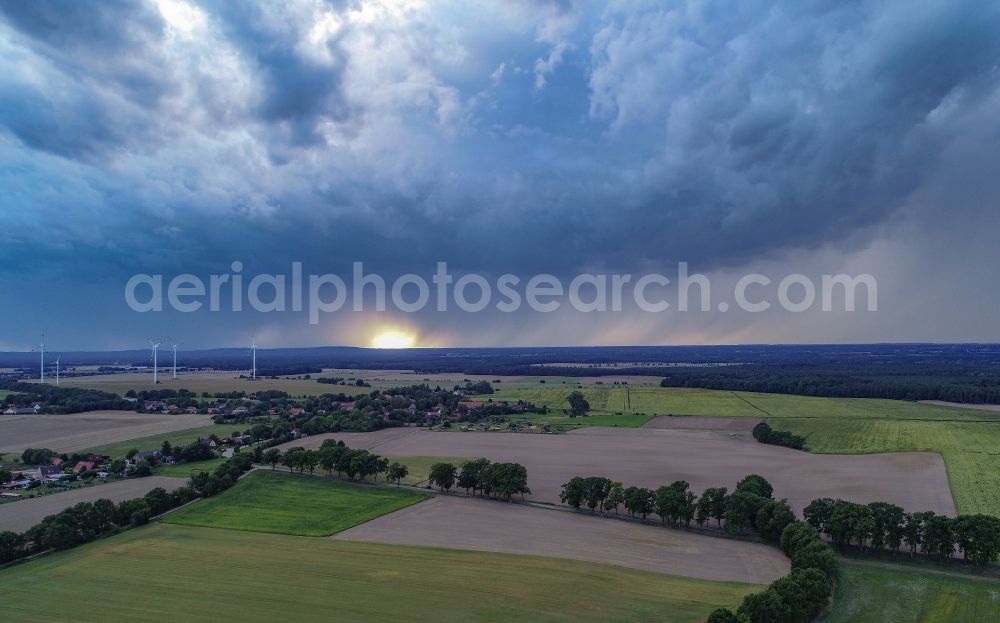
point(86, 70)
point(297, 92)
point(534, 137)
point(114, 27)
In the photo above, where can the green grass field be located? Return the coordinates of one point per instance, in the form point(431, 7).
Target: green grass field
point(184, 470)
point(284, 503)
point(176, 438)
point(871, 594)
point(420, 466)
point(971, 450)
point(224, 575)
point(683, 401)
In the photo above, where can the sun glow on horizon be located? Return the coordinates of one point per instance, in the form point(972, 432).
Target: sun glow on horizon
point(393, 339)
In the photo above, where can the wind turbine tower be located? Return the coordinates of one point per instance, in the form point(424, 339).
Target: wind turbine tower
point(41, 368)
point(175, 360)
point(253, 355)
point(155, 346)
point(57, 371)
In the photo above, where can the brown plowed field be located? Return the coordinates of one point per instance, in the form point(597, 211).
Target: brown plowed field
point(79, 431)
point(482, 525)
point(21, 515)
point(727, 424)
point(650, 458)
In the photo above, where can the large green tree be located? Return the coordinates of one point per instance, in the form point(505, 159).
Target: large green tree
point(578, 405)
point(397, 471)
point(442, 475)
point(756, 484)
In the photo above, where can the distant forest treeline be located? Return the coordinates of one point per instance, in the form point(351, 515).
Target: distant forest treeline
point(970, 383)
point(953, 372)
point(520, 360)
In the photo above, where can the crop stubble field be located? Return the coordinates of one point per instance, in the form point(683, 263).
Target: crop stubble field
point(477, 524)
point(649, 457)
point(184, 569)
point(82, 431)
point(20, 515)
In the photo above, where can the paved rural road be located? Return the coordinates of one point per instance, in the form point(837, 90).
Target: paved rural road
point(21, 515)
point(485, 525)
point(651, 457)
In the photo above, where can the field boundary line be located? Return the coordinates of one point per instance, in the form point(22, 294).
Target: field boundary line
point(752, 405)
point(916, 568)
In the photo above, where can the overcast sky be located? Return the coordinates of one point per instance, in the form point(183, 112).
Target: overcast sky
point(807, 136)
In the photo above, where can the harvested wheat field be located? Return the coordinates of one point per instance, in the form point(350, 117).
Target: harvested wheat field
point(80, 431)
point(650, 458)
point(483, 525)
point(696, 422)
point(21, 515)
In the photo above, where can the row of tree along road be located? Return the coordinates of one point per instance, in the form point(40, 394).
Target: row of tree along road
point(796, 598)
point(883, 526)
point(88, 521)
point(501, 481)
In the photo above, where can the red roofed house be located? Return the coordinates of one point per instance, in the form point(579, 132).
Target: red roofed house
point(83, 466)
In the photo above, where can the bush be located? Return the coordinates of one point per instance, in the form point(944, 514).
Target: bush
point(772, 518)
point(801, 595)
point(37, 456)
point(722, 615)
point(765, 434)
point(764, 607)
point(755, 484)
point(806, 591)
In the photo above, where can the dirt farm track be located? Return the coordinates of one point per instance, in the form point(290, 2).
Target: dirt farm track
point(653, 457)
point(446, 521)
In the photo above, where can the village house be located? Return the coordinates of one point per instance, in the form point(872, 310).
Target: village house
point(150, 456)
point(33, 410)
point(83, 466)
point(19, 482)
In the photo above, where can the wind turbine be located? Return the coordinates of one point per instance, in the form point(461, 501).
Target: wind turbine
point(253, 354)
point(175, 359)
point(41, 368)
point(57, 371)
point(155, 346)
